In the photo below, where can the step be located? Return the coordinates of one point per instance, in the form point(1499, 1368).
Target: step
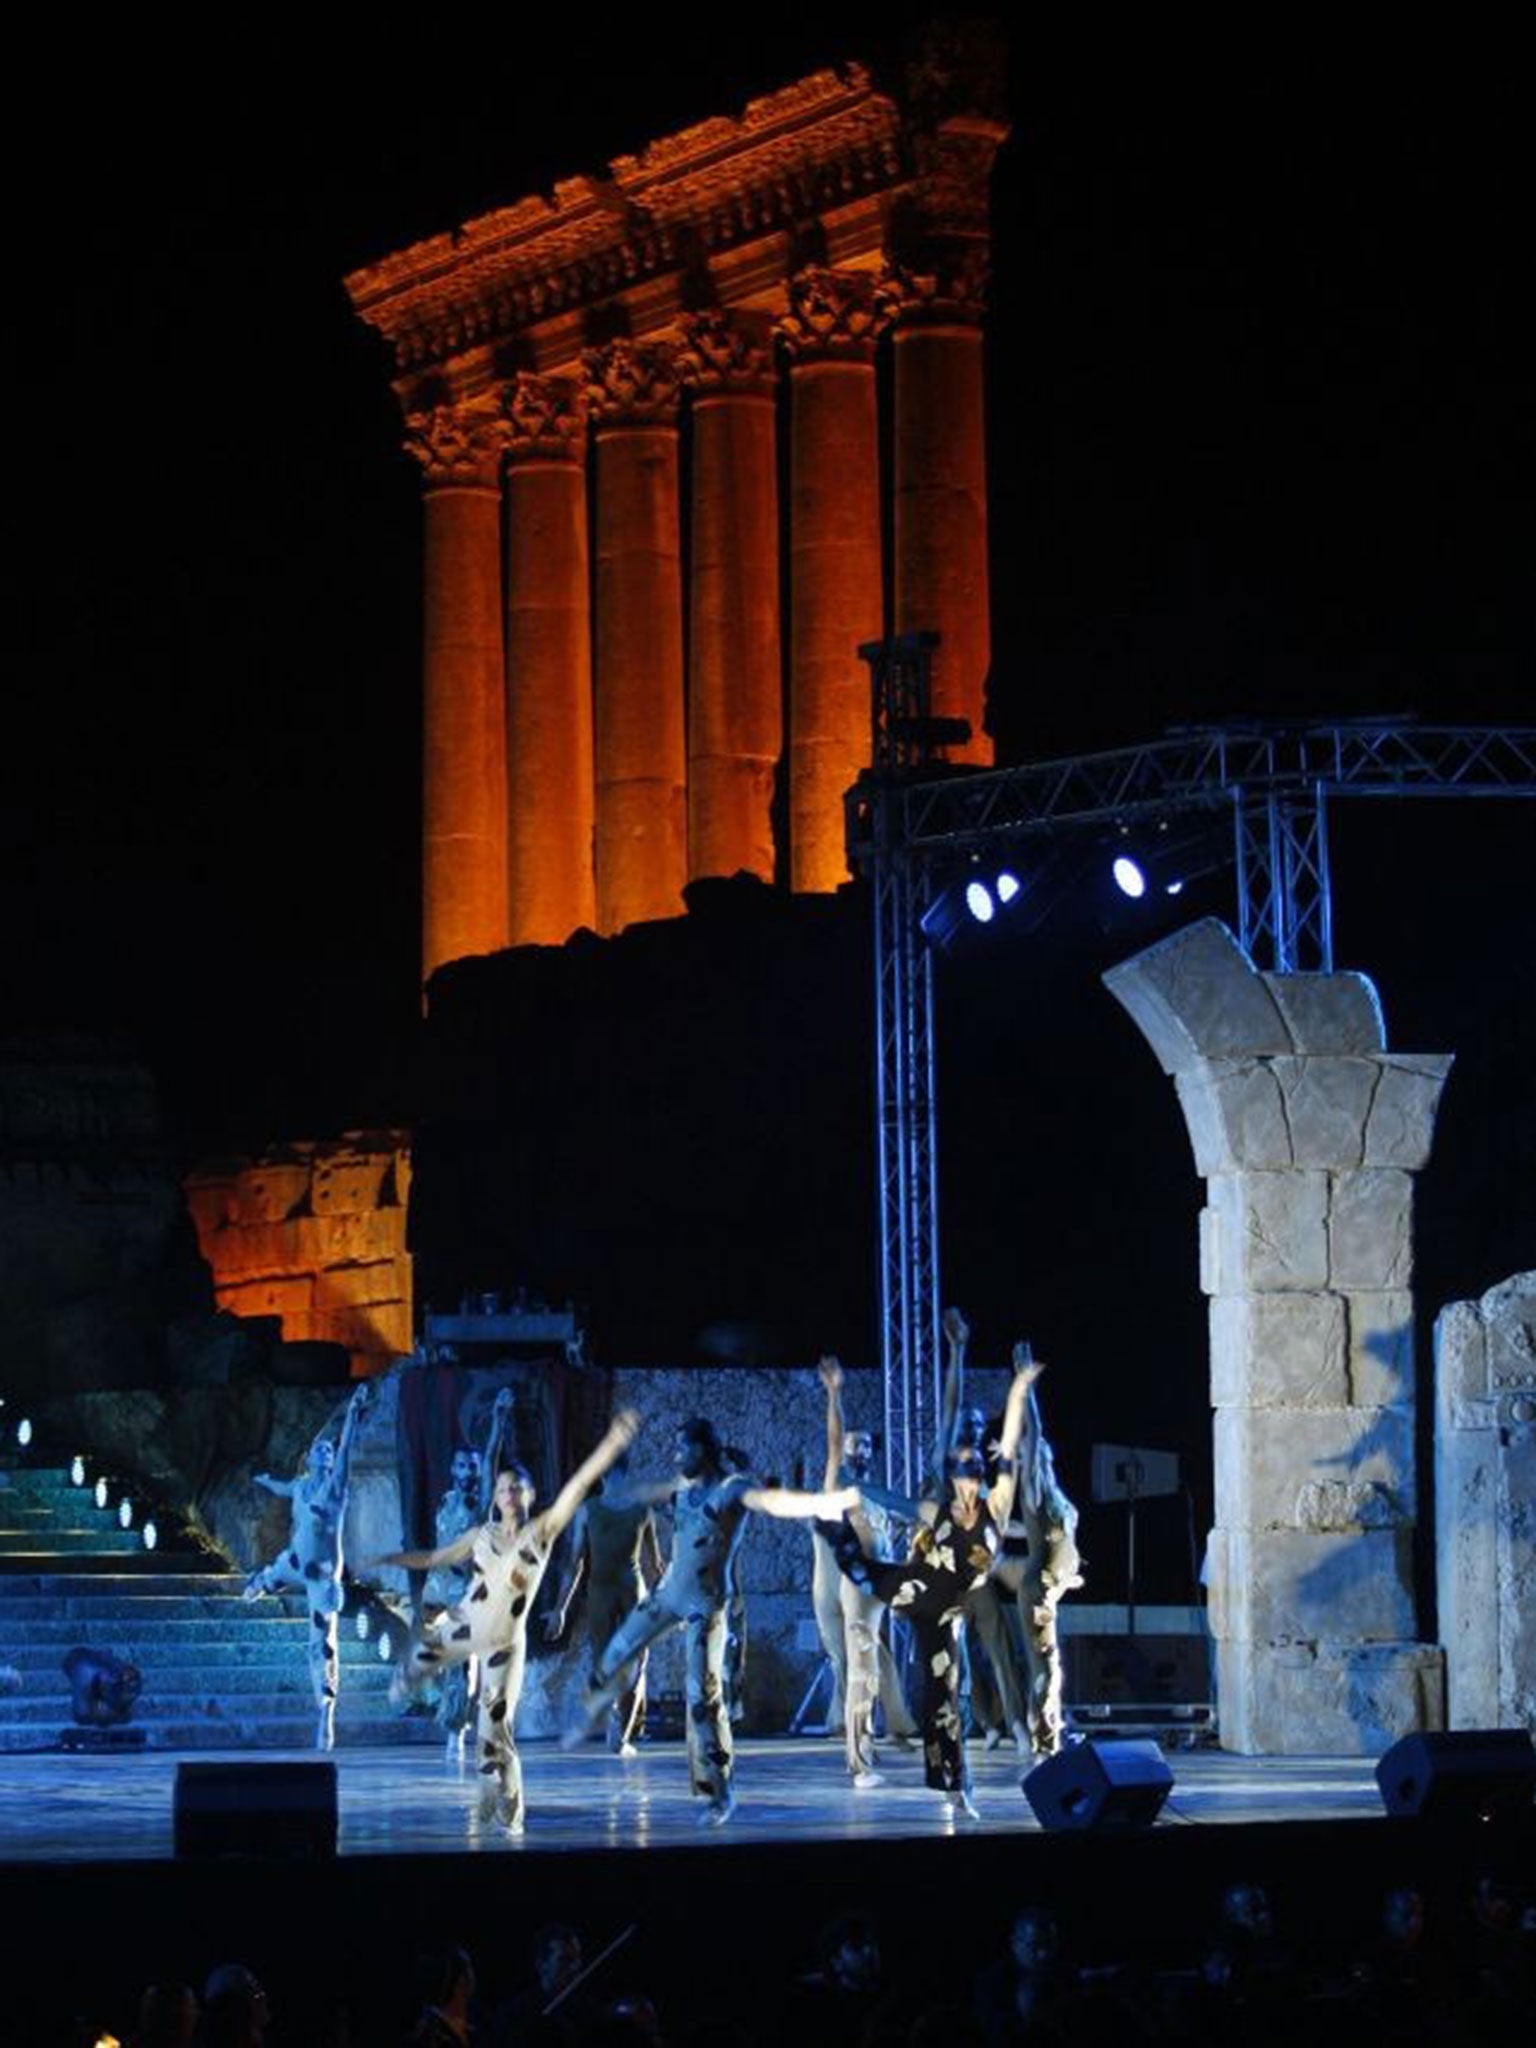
point(293, 1731)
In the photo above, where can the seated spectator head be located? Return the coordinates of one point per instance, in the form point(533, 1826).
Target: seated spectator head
point(167, 2016)
point(235, 2010)
point(556, 1957)
point(850, 1953)
point(1033, 1941)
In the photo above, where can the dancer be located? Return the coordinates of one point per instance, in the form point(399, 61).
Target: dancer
point(1000, 1704)
point(849, 1616)
point(312, 1563)
point(507, 1556)
point(1039, 1565)
point(614, 1546)
point(710, 1503)
point(460, 1511)
point(952, 1551)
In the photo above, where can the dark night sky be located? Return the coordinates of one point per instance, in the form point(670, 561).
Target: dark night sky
point(1255, 390)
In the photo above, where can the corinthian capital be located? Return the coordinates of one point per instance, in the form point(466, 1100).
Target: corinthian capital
point(632, 383)
point(836, 315)
point(944, 285)
point(546, 418)
point(727, 352)
point(455, 447)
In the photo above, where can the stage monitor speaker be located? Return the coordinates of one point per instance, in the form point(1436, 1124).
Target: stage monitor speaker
point(1463, 1774)
point(244, 1809)
point(1100, 1785)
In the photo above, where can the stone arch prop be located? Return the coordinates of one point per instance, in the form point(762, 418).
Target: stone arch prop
point(1308, 1133)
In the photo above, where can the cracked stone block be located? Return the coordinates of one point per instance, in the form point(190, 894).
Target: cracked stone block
point(1196, 996)
point(1380, 1357)
point(1289, 1585)
point(1319, 1469)
point(1235, 1116)
point(1278, 1351)
point(1329, 1699)
point(1370, 1230)
point(1330, 1013)
point(348, 1183)
point(1271, 1231)
point(273, 1191)
point(1326, 1103)
point(1401, 1126)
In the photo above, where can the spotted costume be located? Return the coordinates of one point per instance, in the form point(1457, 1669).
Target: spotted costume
point(929, 1590)
point(311, 1563)
point(490, 1624)
point(692, 1594)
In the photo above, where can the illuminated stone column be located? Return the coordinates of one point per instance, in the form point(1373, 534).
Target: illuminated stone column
point(549, 663)
point(641, 823)
point(464, 764)
point(735, 719)
point(940, 491)
point(836, 585)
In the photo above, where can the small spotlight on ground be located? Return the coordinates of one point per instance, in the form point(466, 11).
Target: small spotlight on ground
point(77, 1470)
point(125, 1514)
point(24, 1432)
point(361, 1624)
point(101, 1493)
point(150, 1534)
point(1008, 886)
point(1130, 879)
point(978, 901)
point(386, 1648)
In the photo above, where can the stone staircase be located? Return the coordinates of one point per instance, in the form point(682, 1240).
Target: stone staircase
point(217, 1673)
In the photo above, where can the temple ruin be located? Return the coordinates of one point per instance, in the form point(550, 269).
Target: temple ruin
point(596, 385)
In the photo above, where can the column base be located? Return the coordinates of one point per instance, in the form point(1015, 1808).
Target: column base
point(1326, 1699)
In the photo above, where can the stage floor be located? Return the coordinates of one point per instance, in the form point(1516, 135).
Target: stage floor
point(59, 1808)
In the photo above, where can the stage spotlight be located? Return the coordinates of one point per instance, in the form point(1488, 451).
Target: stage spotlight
point(386, 1648)
point(125, 1513)
point(150, 1534)
point(978, 901)
point(101, 1493)
point(24, 1432)
point(77, 1470)
point(1008, 886)
point(361, 1624)
point(1130, 876)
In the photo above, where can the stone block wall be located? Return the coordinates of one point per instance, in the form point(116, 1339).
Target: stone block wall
point(314, 1234)
point(1307, 1132)
point(1485, 1504)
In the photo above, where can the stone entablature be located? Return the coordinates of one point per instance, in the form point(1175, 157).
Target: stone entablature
point(314, 1234)
point(787, 240)
point(1308, 1133)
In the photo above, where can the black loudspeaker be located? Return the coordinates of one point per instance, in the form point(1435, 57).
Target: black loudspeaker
point(1104, 1785)
point(1466, 1774)
point(244, 1809)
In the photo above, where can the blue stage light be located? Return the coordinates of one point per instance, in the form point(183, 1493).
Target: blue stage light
point(101, 1493)
point(24, 1432)
point(1008, 886)
point(1130, 877)
point(77, 1470)
point(125, 1513)
point(150, 1534)
point(978, 901)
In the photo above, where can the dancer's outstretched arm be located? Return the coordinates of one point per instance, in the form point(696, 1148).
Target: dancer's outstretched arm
point(789, 1504)
point(341, 1471)
point(490, 1457)
point(832, 1379)
point(283, 1488)
point(616, 1441)
point(957, 1334)
point(456, 1552)
point(1026, 1371)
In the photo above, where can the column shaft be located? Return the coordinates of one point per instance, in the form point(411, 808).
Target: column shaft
point(464, 770)
point(940, 526)
point(549, 702)
point(735, 721)
point(641, 829)
point(836, 601)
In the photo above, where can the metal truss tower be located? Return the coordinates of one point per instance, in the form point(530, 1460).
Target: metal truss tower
point(906, 824)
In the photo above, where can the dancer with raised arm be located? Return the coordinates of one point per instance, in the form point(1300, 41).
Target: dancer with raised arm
point(710, 1504)
point(507, 1557)
point(614, 1546)
point(953, 1545)
point(848, 1616)
point(1039, 1565)
point(460, 1511)
point(311, 1562)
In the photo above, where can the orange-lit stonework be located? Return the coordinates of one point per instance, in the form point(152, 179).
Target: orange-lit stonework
point(675, 296)
point(735, 680)
point(463, 750)
point(551, 891)
point(314, 1234)
point(640, 764)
